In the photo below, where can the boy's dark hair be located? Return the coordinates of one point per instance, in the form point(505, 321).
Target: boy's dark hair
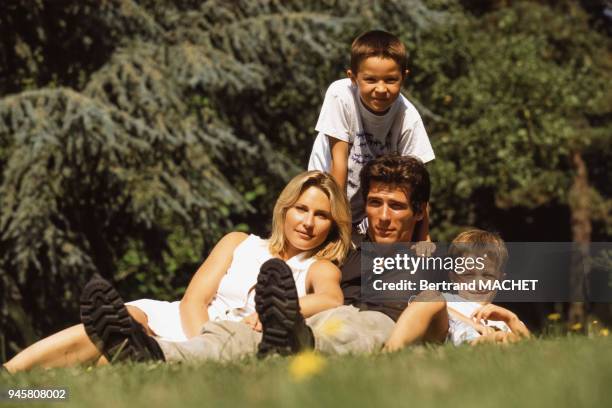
point(406, 172)
point(380, 44)
point(477, 241)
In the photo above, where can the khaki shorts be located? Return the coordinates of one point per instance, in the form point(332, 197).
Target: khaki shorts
point(342, 330)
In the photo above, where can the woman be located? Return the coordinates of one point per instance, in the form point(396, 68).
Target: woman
point(310, 232)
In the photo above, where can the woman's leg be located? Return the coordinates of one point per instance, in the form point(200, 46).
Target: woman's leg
point(66, 348)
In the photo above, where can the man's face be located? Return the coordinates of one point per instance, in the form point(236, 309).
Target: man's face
point(390, 215)
point(379, 81)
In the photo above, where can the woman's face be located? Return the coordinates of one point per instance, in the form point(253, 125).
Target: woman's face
point(307, 222)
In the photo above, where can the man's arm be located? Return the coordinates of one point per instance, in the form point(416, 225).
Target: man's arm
point(424, 320)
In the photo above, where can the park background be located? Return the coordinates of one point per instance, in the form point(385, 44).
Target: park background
point(133, 134)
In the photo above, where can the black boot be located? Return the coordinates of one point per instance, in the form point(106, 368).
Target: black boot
point(111, 328)
point(276, 302)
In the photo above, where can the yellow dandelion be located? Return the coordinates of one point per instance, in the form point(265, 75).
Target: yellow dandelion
point(332, 327)
point(604, 332)
point(305, 365)
point(576, 326)
point(553, 317)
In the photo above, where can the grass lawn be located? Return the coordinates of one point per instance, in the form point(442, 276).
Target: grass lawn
point(560, 372)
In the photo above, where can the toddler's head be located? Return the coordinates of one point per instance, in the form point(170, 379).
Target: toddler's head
point(480, 256)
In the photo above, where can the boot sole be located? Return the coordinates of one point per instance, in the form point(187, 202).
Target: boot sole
point(108, 323)
point(278, 307)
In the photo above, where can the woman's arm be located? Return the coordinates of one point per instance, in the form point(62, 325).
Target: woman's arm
point(323, 286)
point(205, 283)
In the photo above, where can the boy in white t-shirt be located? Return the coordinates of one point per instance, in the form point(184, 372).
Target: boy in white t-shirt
point(465, 316)
point(365, 116)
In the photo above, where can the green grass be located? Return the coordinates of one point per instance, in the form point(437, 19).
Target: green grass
point(570, 371)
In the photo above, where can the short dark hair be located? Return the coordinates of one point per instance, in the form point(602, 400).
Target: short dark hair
point(378, 43)
point(406, 172)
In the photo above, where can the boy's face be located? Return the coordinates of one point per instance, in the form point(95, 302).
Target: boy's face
point(489, 272)
point(379, 81)
point(390, 215)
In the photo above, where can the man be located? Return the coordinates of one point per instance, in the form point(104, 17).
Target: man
point(396, 191)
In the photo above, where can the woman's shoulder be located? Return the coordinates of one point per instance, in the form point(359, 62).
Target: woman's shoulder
point(235, 236)
point(232, 240)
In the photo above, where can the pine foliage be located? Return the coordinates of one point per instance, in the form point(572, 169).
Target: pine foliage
point(130, 129)
point(134, 133)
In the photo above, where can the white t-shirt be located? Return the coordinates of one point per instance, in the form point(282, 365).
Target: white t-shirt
point(344, 117)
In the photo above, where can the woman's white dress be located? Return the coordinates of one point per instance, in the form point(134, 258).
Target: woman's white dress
point(235, 298)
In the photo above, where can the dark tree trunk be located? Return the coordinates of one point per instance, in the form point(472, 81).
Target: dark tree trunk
point(580, 207)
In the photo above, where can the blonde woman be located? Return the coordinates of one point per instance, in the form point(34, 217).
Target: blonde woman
point(310, 234)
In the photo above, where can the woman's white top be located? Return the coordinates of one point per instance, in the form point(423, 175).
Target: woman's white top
point(235, 298)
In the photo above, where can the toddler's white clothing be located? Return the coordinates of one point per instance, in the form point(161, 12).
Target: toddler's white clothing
point(460, 332)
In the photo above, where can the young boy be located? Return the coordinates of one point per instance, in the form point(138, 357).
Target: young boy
point(364, 116)
point(467, 316)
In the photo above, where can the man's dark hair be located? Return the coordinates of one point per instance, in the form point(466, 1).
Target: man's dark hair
point(406, 172)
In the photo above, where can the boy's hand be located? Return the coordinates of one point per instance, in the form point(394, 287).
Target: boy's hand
point(253, 321)
point(494, 312)
point(424, 248)
point(484, 330)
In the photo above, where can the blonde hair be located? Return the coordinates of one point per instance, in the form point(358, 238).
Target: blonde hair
point(338, 241)
point(477, 240)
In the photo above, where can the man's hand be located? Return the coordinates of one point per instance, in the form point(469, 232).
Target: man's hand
point(424, 248)
point(252, 320)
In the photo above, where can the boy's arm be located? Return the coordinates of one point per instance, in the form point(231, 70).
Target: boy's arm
point(339, 153)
